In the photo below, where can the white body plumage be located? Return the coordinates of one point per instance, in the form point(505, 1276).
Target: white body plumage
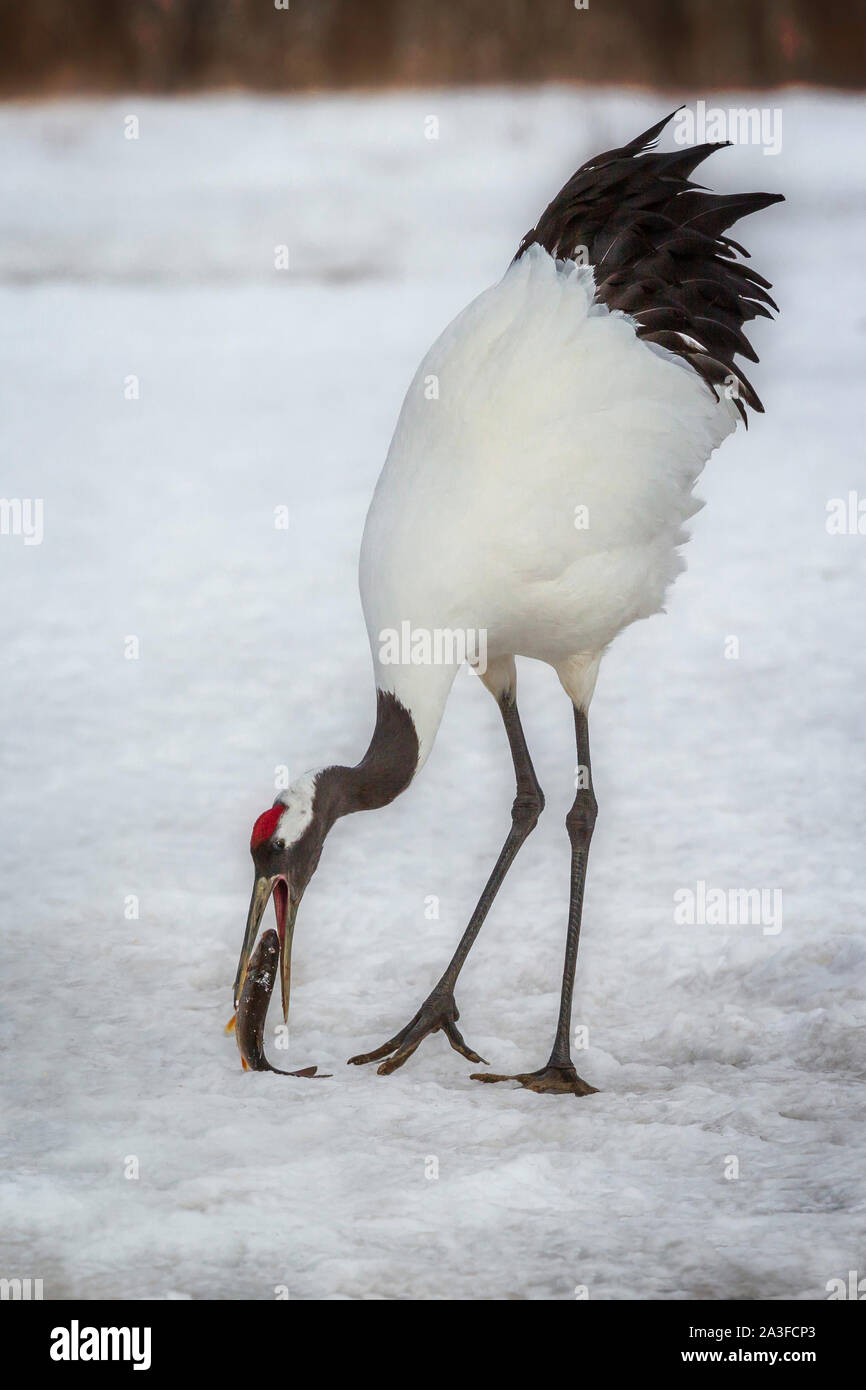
point(537, 484)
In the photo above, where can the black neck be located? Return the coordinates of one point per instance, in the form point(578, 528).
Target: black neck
point(385, 770)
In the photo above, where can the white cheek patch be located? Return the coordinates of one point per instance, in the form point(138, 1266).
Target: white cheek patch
point(298, 801)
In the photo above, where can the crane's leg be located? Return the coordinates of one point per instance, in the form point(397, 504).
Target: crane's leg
point(439, 1009)
point(559, 1074)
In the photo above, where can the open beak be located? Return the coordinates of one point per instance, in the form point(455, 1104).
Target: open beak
point(286, 910)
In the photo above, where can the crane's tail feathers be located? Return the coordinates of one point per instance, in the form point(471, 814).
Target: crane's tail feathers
point(657, 244)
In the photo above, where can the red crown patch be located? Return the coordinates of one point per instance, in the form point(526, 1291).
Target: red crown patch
point(265, 826)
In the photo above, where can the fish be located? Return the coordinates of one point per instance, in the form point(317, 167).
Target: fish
point(253, 1007)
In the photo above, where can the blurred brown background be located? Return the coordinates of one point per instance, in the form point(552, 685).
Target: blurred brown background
point(61, 46)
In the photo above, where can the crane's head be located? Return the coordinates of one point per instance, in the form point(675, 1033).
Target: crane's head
point(285, 844)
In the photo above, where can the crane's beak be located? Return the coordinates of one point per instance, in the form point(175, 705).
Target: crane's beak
point(287, 910)
point(286, 907)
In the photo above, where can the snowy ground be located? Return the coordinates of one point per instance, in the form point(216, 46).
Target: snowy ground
point(120, 777)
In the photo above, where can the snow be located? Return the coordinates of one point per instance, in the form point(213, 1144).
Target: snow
point(261, 388)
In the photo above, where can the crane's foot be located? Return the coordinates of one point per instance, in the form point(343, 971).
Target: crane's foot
point(552, 1079)
point(438, 1011)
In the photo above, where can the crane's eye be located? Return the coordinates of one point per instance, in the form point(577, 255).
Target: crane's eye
point(279, 844)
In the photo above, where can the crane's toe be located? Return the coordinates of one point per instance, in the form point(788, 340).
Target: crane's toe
point(554, 1080)
point(439, 1011)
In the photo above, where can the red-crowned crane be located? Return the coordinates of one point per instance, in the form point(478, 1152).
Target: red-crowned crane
point(598, 375)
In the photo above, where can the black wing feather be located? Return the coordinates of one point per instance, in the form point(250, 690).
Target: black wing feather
point(658, 246)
